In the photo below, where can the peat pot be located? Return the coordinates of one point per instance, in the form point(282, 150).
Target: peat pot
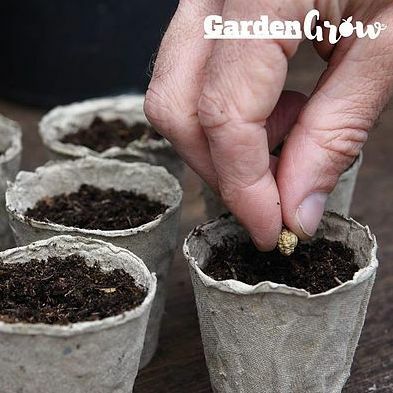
point(273, 338)
point(96, 356)
point(154, 242)
point(10, 156)
point(69, 119)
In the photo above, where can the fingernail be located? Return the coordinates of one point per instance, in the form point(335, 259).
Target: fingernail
point(310, 212)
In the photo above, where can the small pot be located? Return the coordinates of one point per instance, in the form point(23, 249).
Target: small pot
point(339, 201)
point(69, 119)
point(96, 356)
point(154, 242)
point(10, 156)
point(273, 338)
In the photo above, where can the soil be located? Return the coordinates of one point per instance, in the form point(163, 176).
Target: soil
point(63, 291)
point(102, 135)
point(93, 208)
point(316, 267)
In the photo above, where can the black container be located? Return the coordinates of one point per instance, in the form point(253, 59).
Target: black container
point(55, 52)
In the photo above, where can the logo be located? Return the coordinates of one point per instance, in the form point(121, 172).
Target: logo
point(216, 28)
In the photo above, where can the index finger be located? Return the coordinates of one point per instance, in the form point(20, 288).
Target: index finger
point(243, 84)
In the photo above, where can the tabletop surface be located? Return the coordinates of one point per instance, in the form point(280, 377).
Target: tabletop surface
point(179, 366)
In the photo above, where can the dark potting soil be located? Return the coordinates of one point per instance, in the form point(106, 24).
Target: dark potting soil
point(64, 290)
point(93, 208)
point(316, 267)
point(102, 135)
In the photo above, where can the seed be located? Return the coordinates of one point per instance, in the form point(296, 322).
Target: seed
point(287, 242)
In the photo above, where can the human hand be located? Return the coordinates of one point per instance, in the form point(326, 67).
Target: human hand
point(221, 105)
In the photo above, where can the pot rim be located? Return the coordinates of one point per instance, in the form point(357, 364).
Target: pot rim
point(242, 289)
point(94, 107)
point(149, 226)
point(78, 328)
point(15, 146)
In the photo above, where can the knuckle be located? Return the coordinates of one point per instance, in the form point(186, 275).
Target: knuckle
point(233, 185)
point(229, 193)
point(158, 110)
point(342, 146)
point(212, 111)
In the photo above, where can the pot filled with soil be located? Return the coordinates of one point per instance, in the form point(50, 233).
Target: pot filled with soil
point(73, 316)
point(107, 128)
point(10, 155)
point(132, 205)
point(339, 201)
point(276, 323)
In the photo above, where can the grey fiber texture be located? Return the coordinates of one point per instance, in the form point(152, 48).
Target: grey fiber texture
point(68, 119)
point(272, 338)
point(154, 242)
point(10, 156)
point(95, 356)
point(339, 200)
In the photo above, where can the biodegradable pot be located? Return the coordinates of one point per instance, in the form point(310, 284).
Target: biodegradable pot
point(98, 356)
point(10, 155)
point(69, 119)
point(154, 242)
point(274, 338)
point(339, 201)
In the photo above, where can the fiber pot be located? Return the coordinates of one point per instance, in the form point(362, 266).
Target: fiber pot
point(339, 201)
point(274, 338)
point(98, 356)
point(69, 119)
point(154, 242)
point(10, 155)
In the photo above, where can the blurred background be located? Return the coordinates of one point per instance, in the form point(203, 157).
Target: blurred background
point(56, 52)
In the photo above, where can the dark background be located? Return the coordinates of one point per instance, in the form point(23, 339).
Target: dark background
point(54, 52)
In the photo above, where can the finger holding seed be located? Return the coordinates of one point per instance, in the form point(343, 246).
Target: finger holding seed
point(287, 242)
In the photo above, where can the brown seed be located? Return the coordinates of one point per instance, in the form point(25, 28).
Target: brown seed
point(287, 242)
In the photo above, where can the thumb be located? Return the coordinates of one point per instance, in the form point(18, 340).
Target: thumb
point(331, 130)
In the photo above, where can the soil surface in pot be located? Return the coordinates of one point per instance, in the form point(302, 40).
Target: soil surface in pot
point(64, 290)
point(316, 267)
point(102, 135)
point(93, 208)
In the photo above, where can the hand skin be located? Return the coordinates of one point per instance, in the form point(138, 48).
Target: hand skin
point(222, 106)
